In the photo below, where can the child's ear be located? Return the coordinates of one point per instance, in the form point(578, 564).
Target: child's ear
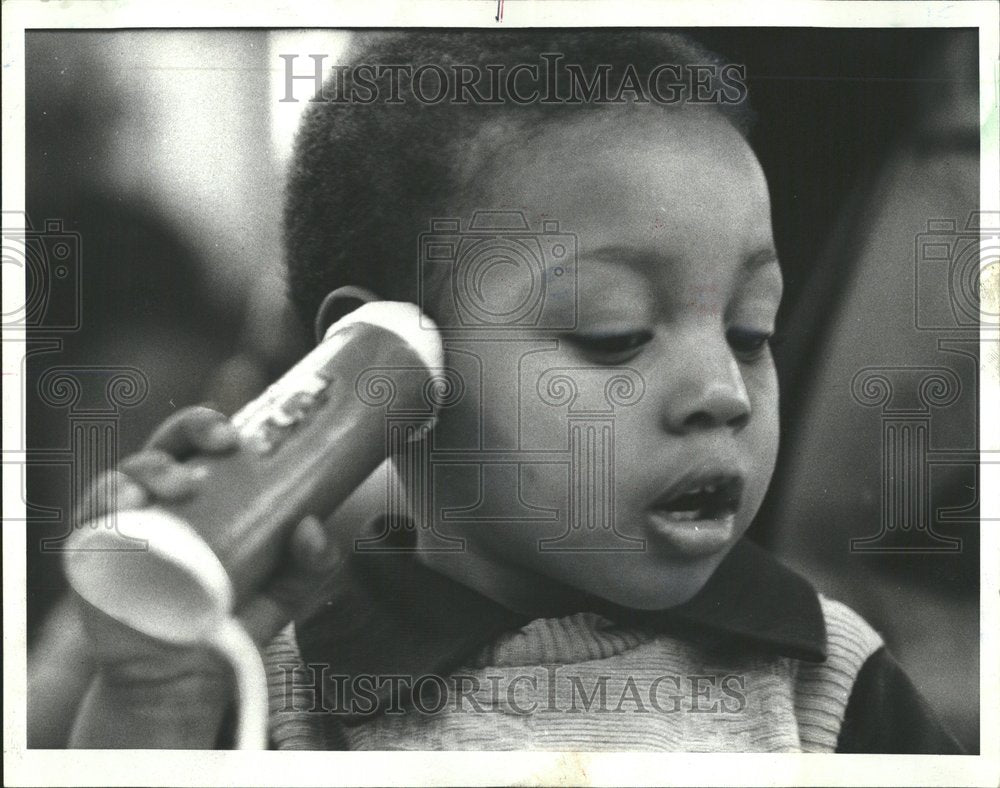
point(338, 303)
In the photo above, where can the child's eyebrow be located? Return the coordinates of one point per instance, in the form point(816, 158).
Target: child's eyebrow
point(614, 253)
point(631, 256)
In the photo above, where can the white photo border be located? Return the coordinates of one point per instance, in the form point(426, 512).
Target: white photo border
point(49, 767)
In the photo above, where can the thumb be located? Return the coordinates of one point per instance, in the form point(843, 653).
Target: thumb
point(301, 585)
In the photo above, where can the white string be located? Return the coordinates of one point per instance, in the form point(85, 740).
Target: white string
point(231, 640)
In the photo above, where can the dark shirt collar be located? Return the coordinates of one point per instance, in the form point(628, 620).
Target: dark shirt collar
point(754, 598)
point(391, 615)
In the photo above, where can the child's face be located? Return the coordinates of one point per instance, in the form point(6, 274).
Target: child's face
point(678, 287)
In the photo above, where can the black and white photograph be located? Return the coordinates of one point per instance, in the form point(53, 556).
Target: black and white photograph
point(546, 393)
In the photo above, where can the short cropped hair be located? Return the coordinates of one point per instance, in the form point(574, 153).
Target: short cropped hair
point(366, 177)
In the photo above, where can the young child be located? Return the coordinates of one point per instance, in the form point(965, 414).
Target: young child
point(611, 606)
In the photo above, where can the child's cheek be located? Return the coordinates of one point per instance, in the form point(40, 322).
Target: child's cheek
point(761, 380)
point(762, 432)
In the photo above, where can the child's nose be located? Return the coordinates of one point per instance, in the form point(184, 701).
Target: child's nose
point(707, 395)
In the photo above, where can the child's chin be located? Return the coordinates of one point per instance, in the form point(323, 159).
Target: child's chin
point(668, 588)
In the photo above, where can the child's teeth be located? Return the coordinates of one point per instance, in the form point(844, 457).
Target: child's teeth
point(682, 516)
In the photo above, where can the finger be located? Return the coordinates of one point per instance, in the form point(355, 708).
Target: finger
point(161, 475)
point(113, 491)
point(300, 586)
point(194, 430)
point(132, 657)
point(263, 617)
point(312, 548)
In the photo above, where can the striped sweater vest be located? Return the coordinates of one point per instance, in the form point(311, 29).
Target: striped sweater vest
point(582, 683)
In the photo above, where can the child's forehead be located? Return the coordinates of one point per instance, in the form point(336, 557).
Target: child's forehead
point(588, 161)
point(648, 201)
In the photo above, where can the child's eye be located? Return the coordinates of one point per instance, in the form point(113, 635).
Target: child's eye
point(748, 344)
point(611, 348)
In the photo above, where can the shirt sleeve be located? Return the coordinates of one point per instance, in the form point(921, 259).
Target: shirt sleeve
point(886, 714)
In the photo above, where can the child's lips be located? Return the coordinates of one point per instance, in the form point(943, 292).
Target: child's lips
point(696, 517)
point(689, 537)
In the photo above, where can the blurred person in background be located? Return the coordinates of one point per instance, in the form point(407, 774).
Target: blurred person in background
point(146, 304)
point(872, 289)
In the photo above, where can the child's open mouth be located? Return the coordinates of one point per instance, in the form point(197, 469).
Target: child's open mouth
point(697, 516)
